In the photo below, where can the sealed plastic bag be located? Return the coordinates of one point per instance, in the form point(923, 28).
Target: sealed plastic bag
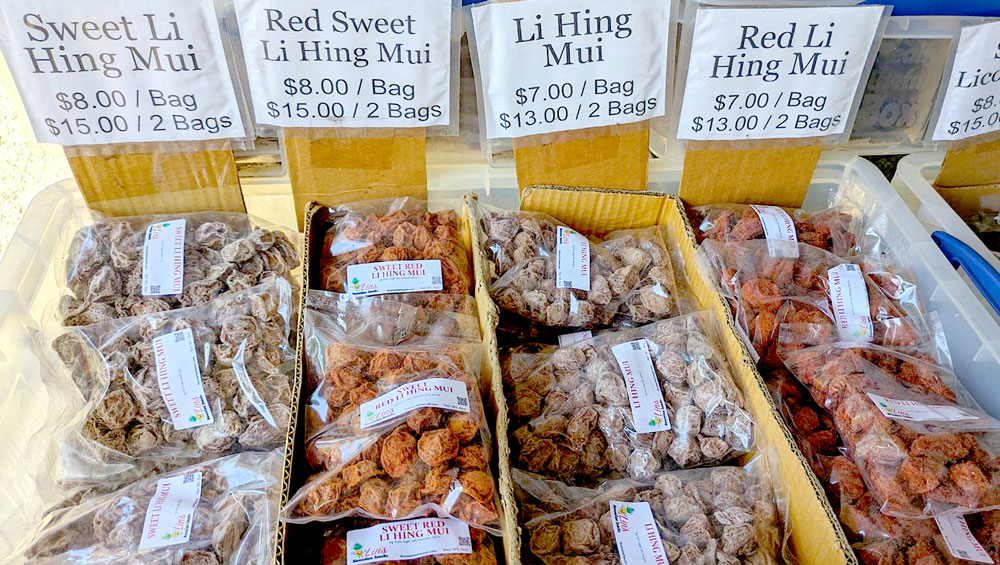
point(628, 403)
point(376, 232)
point(551, 275)
point(832, 229)
point(812, 428)
point(910, 443)
point(815, 287)
point(220, 512)
point(120, 267)
point(360, 348)
point(190, 383)
point(437, 542)
point(723, 515)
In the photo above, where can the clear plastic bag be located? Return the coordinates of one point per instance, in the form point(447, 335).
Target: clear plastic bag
point(629, 271)
point(833, 229)
point(724, 515)
point(765, 291)
point(232, 521)
point(358, 349)
point(389, 443)
point(811, 426)
point(235, 349)
point(394, 230)
point(576, 416)
point(914, 468)
point(334, 550)
point(220, 252)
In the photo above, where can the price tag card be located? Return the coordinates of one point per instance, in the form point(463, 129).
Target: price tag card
point(111, 71)
point(972, 99)
point(557, 65)
point(343, 63)
point(775, 73)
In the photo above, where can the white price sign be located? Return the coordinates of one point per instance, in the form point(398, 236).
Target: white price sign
point(972, 100)
point(775, 73)
point(111, 71)
point(557, 65)
point(343, 63)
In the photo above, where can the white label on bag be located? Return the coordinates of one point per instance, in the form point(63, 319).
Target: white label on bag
point(576, 338)
point(163, 259)
point(446, 394)
point(170, 514)
point(972, 99)
point(960, 541)
point(775, 72)
point(179, 379)
point(390, 277)
point(918, 412)
point(779, 231)
point(110, 71)
point(849, 299)
point(408, 540)
point(558, 65)
point(343, 63)
point(649, 411)
point(636, 534)
point(572, 260)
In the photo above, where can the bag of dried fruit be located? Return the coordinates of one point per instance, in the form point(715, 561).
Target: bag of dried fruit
point(219, 512)
point(182, 385)
point(627, 403)
point(121, 267)
point(832, 229)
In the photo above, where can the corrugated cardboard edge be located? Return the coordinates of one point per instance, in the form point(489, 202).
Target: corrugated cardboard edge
point(615, 157)
point(286, 475)
point(816, 534)
point(971, 162)
point(489, 317)
point(745, 171)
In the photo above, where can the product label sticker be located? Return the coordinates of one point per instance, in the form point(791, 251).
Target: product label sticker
point(351, 64)
point(558, 65)
point(960, 541)
point(971, 103)
point(779, 231)
point(636, 534)
point(163, 259)
point(849, 299)
point(391, 277)
point(179, 379)
point(170, 514)
point(917, 412)
point(446, 394)
point(649, 411)
point(408, 540)
point(110, 71)
point(765, 73)
point(576, 338)
point(572, 260)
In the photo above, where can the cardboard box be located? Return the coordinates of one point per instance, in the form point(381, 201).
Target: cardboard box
point(816, 535)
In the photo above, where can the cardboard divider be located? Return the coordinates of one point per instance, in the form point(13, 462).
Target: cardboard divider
point(747, 171)
point(140, 178)
point(336, 165)
point(615, 157)
point(816, 535)
point(974, 161)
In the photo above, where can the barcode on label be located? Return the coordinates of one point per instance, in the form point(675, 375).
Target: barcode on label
point(189, 478)
point(155, 289)
point(567, 284)
point(964, 554)
point(435, 280)
point(464, 541)
point(462, 401)
point(179, 337)
point(636, 346)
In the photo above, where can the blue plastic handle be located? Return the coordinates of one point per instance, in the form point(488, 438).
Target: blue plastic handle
point(941, 7)
point(982, 274)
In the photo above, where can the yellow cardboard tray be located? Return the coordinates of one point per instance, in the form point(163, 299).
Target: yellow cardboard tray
point(816, 535)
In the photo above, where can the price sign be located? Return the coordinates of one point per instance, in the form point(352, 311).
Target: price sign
point(972, 100)
point(381, 63)
point(557, 65)
point(111, 71)
point(775, 73)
